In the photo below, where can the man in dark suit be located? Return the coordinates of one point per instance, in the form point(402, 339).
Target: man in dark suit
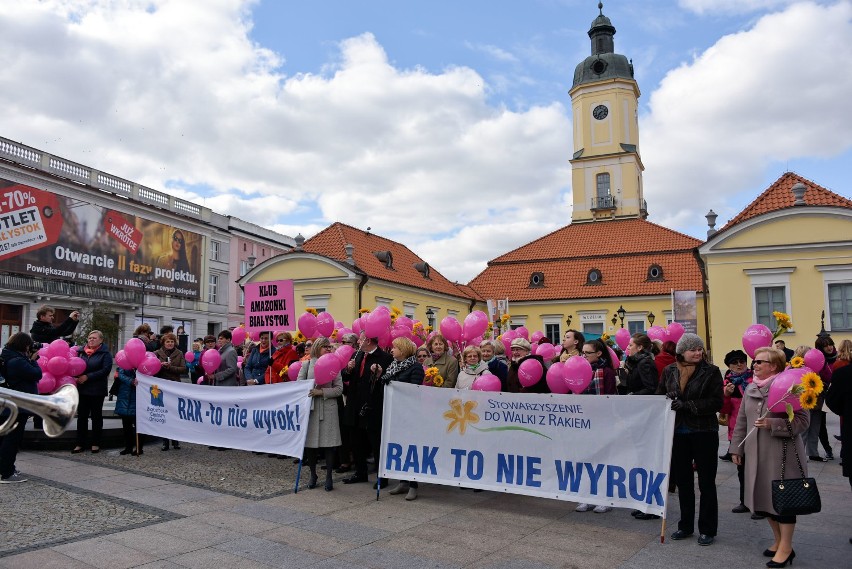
point(782, 345)
point(363, 413)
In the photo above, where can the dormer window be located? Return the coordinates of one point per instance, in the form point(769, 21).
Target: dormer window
point(423, 269)
point(537, 280)
point(594, 277)
point(385, 257)
point(655, 273)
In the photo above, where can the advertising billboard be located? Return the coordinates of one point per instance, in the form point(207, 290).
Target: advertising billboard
point(46, 235)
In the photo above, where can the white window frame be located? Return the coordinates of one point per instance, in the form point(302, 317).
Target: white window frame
point(767, 278)
point(215, 250)
point(592, 317)
point(242, 297)
point(319, 302)
point(382, 301)
point(552, 319)
point(833, 275)
point(213, 289)
point(409, 309)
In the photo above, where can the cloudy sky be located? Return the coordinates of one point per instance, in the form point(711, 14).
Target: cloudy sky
point(442, 124)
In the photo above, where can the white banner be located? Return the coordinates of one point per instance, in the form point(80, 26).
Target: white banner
point(263, 418)
point(602, 450)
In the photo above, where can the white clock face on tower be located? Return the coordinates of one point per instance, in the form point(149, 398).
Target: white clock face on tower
point(600, 112)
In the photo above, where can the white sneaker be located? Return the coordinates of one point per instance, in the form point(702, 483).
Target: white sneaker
point(583, 508)
point(16, 477)
point(601, 509)
point(412, 494)
point(400, 488)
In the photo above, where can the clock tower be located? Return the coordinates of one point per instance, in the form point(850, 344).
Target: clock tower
point(606, 169)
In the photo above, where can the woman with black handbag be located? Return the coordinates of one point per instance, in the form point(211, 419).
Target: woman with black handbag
point(765, 450)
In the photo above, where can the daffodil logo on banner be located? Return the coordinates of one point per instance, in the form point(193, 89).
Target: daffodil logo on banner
point(602, 450)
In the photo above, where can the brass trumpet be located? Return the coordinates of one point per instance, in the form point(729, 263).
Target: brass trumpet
point(57, 410)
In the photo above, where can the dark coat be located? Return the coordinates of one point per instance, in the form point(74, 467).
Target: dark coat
point(47, 332)
point(513, 384)
point(839, 400)
point(500, 369)
point(256, 364)
point(175, 364)
point(21, 372)
point(98, 368)
point(642, 377)
point(125, 401)
point(412, 374)
point(702, 396)
point(363, 389)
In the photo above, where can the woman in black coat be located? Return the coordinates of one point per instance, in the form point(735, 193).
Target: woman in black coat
point(92, 386)
point(642, 376)
point(695, 388)
point(839, 400)
point(406, 369)
point(22, 374)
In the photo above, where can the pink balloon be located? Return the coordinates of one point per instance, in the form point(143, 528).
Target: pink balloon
point(385, 339)
point(293, 370)
point(151, 364)
point(536, 337)
point(64, 380)
point(189, 357)
point(578, 373)
point(756, 336)
point(378, 322)
point(325, 324)
point(534, 349)
point(523, 332)
point(815, 359)
point(46, 384)
point(556, 378)
point(58, 366)
point(546, 351)
point(475, 341)
point(475, 324)
point(254, 335)
point(326, 369)
point(657, 333)
point(42, 363)
point(338, 324)
point(357, 326)
point(210, 361)
point(675, 331)
point(344, 354)
point(342, 331)
point(451, 329)
point(57, 348)
point(76, 366)
point(239, 361)
point(405, 321)
point(399, 331)
point(43, 352)
point(529, 372)
point(72, 353)
point(778, 395)
point(487, 382)
point(135, 350)
point(307, 325)
point(199, 380)
point(622, 338)
point(507, 343)
point(613, 358)
point(238, 336)
point(122, 361)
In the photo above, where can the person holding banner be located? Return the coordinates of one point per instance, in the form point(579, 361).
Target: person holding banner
point(323, 426)
point(642, 377)
point(226, 375)
point(283, 355)
point(521, 353)
point(173, 365)
point(125, 407)
point(92, 386)
point(406, 369)
point(472, 369)
point(256, 365)
point(488, 349)
point(695, 388)
point(764, 449)
point(448, 366)
point(363, 413)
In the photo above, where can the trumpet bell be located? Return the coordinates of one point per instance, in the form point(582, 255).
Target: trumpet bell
point(56, 410)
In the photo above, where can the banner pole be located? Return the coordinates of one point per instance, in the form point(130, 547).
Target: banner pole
point(298, 475)
point(138, 448)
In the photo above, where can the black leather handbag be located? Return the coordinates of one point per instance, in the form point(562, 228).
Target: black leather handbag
point(794, 496)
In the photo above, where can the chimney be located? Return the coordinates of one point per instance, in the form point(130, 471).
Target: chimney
point(799, 190)
point(349, 248)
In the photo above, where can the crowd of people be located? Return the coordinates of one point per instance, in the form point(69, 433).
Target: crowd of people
point(345, 421)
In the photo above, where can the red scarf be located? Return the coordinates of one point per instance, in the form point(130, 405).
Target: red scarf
point(89, 351)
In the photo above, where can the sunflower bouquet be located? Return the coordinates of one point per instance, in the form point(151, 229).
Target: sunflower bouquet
point(783, 322)
point(433, 378)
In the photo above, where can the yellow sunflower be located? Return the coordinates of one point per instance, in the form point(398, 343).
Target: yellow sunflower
point(311, 310)
point(438, 381)
point(812, 382)
point(796, 362)
point(783, 320)
point(808, 399)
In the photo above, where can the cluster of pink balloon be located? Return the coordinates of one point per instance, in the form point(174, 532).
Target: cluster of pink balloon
point(375, 324)
point(135, 356)
point(59, 366)
point(671, 333)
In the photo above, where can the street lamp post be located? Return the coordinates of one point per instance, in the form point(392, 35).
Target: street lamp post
point(614, 319)
point(568, 320)
point(430, 318)
point(651, 318)
point(144, 282)
point(621, 314)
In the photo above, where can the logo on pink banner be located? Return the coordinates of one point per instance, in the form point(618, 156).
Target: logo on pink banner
point(269, 306)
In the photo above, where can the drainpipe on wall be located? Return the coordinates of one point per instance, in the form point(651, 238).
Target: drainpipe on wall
point(364, 279)
point(704, 296)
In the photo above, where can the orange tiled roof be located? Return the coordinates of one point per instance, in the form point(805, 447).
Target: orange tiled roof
point(779, 196)
point(622, 251)
point(330, 242)
point(601, 238)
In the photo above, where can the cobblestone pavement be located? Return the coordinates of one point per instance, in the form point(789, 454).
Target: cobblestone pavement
point(201, 508)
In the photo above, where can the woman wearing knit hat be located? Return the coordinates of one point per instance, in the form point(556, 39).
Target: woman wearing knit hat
point(695, 388)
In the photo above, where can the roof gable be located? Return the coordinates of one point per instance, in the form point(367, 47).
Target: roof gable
point(381, 258)
point(780, 196)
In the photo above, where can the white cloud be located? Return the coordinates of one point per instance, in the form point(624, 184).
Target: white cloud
point(769, 94)
point(731, 6)
point(494, 51)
